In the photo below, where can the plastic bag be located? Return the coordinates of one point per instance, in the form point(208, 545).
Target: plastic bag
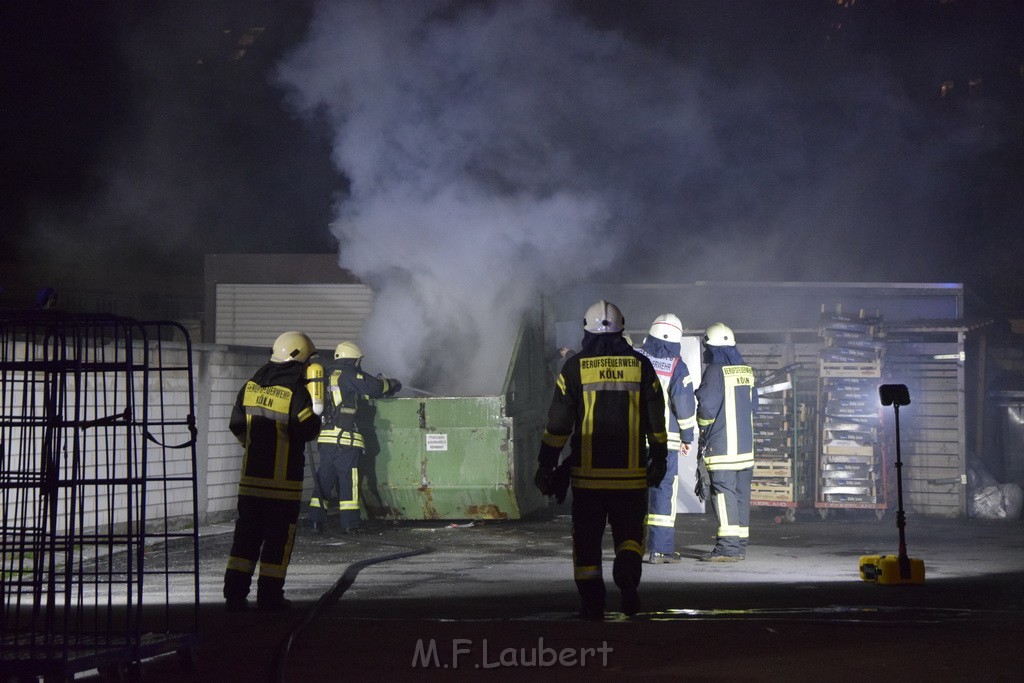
point(1013, 499)
point(987, 503)
point(978, 477)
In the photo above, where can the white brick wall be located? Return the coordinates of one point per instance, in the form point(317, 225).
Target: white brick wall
point(227, 369)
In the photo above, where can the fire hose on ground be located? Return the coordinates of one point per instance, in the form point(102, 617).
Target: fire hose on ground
point(330, 598)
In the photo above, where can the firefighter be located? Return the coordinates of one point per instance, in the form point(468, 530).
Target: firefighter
point(726, 400)
point(273, 418)
point(341, 441)
point(609, 406)
point(662, 346)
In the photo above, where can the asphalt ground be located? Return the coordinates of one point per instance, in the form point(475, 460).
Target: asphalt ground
point(496, 601)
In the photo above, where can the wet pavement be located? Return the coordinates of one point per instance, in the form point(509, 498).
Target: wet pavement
point(495, 601)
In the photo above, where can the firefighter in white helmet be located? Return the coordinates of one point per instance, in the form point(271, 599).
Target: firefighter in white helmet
point(350, 392)
point(726, 400)
point(608, 405)
point(662, 346)
point(273, 418)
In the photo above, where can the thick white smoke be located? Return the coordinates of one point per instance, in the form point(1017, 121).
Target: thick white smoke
point(500, 149)
point(490, 149)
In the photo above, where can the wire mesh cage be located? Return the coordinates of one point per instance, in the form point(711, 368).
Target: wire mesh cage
point(97, 486)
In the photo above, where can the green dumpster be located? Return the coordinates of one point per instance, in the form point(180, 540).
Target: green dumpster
point(463, 458)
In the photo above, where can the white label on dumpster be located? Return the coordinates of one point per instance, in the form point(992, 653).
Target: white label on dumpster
point(437, 442)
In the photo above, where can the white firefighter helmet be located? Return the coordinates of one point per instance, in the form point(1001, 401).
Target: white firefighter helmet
point(291, 346)
point(347, 349)
point(719, 334)
point(667, 327)
point(603, 318)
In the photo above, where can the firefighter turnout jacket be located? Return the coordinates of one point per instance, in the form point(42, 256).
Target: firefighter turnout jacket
point(609, 399)
point(675, 378)
point(347, 387)
point(273, 418)
point(726, 400)
point(681, 421)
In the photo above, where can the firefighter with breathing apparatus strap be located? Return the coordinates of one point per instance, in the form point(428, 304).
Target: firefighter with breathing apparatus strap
point(349, 389)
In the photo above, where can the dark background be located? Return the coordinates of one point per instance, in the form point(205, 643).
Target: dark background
point(138, 136)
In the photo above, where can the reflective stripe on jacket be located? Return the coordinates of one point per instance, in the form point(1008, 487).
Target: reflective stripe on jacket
point(725, 416)
point(348, 387)
point(273, 418)
point(675, 378)
point(613, 407)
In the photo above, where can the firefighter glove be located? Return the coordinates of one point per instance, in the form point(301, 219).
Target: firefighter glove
point(656, 469)
point(703, 484)
point(545, 480)
point(394, 386)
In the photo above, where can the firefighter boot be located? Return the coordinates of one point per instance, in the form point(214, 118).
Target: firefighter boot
point(270, 595)
point(717, 556)
point(236, 604)
point(627, 577)
point(664, 558)
point(236, 588)
point(630, 600)
point(592, 592)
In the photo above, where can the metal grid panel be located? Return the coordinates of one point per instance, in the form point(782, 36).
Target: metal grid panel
point(97, 475)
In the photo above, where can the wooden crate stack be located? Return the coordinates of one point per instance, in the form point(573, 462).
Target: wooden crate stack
point(782, 431)
point(850, 472)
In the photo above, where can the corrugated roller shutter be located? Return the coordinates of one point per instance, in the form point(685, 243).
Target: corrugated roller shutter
point(255, 314)
point(931, 427)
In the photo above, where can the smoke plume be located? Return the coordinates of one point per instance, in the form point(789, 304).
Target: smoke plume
point(490, 150)
point(498, 150)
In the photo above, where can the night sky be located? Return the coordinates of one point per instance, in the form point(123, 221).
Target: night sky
point(544, 143)
point(138, 120)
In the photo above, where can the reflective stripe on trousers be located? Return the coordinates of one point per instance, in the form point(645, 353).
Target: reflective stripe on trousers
point(730, 499)
point(264, 533)
point(337, 475)
point(592, 511)
point(661, 518)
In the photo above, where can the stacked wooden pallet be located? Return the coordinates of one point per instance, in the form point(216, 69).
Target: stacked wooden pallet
point(780, 436)
point(850, 370)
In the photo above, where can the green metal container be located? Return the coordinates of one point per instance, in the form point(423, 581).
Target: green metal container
point(463, 458)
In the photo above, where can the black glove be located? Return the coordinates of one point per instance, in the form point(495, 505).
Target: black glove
point(656, 469)
point(545, 480)
point(394, 386)
point(703, 485)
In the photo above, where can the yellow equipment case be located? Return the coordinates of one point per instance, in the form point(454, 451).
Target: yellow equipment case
point(885, 569)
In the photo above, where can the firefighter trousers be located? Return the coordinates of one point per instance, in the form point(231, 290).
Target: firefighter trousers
point(661, 516)
point(264, 533)
point(730, 498)
point(592, 510)
point(338, 473)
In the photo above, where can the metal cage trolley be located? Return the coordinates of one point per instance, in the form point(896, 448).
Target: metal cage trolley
point(97, 488)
